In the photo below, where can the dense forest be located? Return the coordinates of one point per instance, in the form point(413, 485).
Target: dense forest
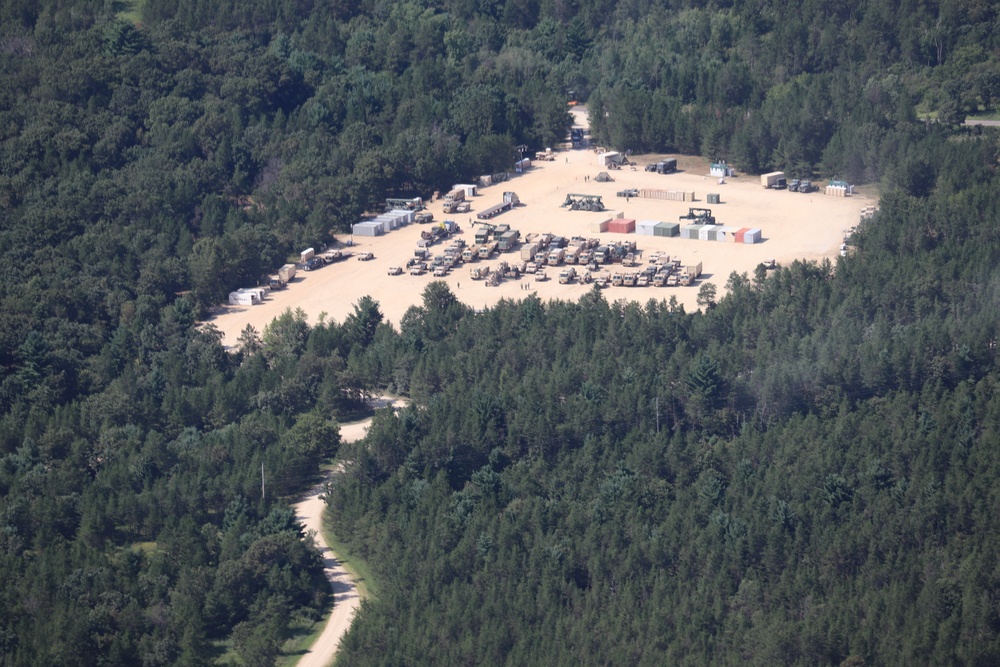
point(802, 473)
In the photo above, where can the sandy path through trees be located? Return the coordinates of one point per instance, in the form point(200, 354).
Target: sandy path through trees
point(346, 600)
point(794, 226)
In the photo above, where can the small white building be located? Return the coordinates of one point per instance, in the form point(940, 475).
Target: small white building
point(720, 170)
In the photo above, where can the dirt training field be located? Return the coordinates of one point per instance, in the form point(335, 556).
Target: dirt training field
point(794, 226)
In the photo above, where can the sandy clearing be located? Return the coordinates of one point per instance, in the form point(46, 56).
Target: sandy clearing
point(794, 226)
point(346, 600)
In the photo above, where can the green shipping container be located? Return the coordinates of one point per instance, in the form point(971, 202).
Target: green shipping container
point(667, 229)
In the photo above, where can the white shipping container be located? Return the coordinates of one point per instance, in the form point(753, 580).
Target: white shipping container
point(369, 228)
point(690, 232)
point(752, 236)
point(724, 234)
point(646, 227)
point(402, 217)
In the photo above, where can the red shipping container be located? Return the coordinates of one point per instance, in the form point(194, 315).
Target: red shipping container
point(622, 226)
point(740, 233)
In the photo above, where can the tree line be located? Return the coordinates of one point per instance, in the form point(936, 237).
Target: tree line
point(801, 474)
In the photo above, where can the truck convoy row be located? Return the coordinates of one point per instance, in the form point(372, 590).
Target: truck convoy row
point(776, 180)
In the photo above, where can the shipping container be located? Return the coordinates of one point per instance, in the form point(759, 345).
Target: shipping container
point(752, 236)
point(599, 227)
point(622, 226)
point(403, 217)
point(668, 195)
point(690, 232)
point(668, 229)
point(740, 233)
point(369, 228)
point(646, 227)
point(713, 198)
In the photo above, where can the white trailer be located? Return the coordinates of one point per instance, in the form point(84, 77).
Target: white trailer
point(609, 158)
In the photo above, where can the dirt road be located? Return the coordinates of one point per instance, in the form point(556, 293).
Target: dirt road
point(345, 593)
point(794, 226)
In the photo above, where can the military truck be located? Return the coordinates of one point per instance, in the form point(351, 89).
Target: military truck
point(567, 275)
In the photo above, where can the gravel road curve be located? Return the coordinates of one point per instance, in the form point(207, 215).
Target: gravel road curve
point(345, 592)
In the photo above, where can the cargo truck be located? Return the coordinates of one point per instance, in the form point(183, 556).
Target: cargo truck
point(667, 166)
point(690, 274)
point(556, 257)
point(528, 251)
point(454, 196)
point(488, 249)
point(509, 240)
point(773, 180)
